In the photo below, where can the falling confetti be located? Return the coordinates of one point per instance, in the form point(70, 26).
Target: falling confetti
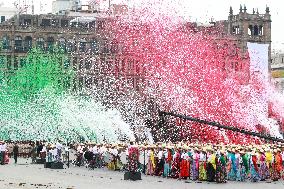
point(178, 66)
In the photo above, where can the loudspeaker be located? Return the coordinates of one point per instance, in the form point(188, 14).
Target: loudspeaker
point(40, 161)
point(47, 164)
point(56, 165)
point(132, 176)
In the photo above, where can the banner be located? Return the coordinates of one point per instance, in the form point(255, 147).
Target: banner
point(259, 60)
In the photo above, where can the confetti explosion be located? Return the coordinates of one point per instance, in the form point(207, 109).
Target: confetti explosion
point(200, 72)
point(191, 70)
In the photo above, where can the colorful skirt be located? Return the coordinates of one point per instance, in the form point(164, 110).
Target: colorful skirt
point(221, 174)
point(184, 169)
point(202, 171)
point(166, 172)
point(150, 168)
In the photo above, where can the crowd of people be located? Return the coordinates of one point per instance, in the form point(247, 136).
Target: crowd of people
point(198, 162)
point(213, 163)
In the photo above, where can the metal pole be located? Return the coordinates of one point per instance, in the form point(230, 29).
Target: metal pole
point(216, 124)
point(144, 167)
point(68, 161)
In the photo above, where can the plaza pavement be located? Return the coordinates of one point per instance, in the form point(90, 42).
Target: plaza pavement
point(27, 176)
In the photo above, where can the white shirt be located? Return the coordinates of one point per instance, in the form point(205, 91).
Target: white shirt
point(184, 156)
point(43, 149)
point(3, 147)
point(282, 156)
point(58, 146)
point(102, 150)
point(95, 150)
point(202, 157)
point(54, 152)
point(160, 154)
point(166, 154)
point(114, 152)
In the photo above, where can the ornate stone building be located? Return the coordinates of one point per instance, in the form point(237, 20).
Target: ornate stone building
point(92, 53)
point(250, 27)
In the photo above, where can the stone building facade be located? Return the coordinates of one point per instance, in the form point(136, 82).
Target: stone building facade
point(92, 53)
point(250, 27)
point(277, 71)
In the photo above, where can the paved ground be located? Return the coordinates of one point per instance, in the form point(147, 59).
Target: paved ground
point(27, 176)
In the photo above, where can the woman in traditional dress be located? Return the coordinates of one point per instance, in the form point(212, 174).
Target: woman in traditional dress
point(168, 161)
point(243, 166)
point(233, 168)
point(238, 165)
point(202, 166)
point(160, 163)
point(151, 162)
point(184, 165)
point(195, 164)
point(221, 174)
point(175, 169)
point(268, 159)
point(263, 170)
point(276, 166)
point(211, 166)
point(254, 168)
point(245, 160)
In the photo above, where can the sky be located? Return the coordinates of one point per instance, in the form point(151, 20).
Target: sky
point(199, 10)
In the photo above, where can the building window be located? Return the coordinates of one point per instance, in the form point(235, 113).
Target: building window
point(88, 64)
point(71, 46)
point(54, 22)
point(83, 45)
point(50, 43)
point(101, 25)
point(22, 62)
point(74, 63)
point(94, 46)
point(16, 59)
point(255, 30)
point(3, 19)
point(9, 62)
point(66, 63)
point(260, 30)
point(114, 46)
point(64, 23)
point(106, 47)
point(6, 43)
point(40, 43)
point(92, 24)
point(45, 22)
point(62, 44)
point(250, 30)
point(18, 44)
point(28, 43)
point(89, 82)
point(27, 22)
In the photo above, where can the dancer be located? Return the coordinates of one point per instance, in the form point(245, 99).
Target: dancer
point(202, 166)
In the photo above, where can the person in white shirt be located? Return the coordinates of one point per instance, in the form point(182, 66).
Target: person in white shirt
point(59, 151)
point(2, 152)
point(160, 164)
point(114, 156)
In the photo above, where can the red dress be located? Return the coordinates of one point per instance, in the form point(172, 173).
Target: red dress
point(184, 168)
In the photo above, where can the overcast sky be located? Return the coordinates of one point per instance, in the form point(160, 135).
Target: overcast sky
point(202, 11)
